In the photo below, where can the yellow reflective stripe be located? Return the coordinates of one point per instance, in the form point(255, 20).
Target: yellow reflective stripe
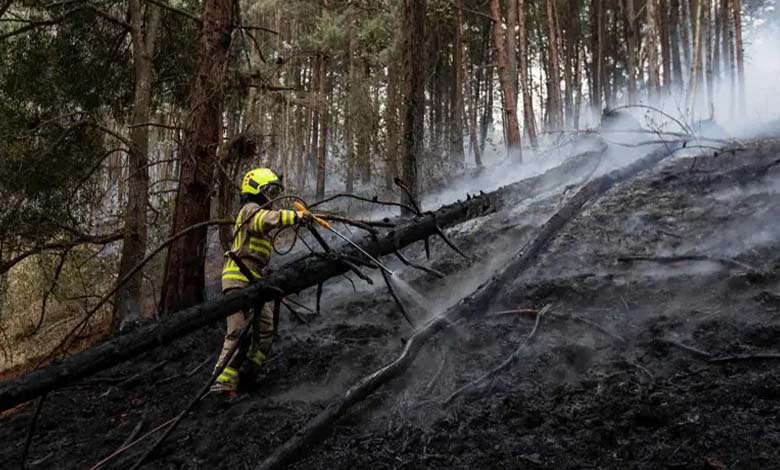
point(234, 277)
point(230, 371)
point(290, 219)
point(260, 241)
point(237, 240)
point(237, 274)
point(259, 218)
point(256, 357)
point(259, 249)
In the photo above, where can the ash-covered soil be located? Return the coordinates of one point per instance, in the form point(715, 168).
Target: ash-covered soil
point(603, 385)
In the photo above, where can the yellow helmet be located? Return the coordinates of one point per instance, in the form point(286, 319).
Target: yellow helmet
point(261, 181)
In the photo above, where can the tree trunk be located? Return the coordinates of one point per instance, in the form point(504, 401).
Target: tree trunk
point(716, 42)
point(570, 78)
point(185, 266)
point(737, 15)
point(597, 17)
point(725, 36)
point(632, 50)
point(674, 43)
point(553, 71)
point(392, 124)
point(651, 41)
point(512, 130)
point(487, 108)
point(696, 62)
point(666, 55)
point(365, 119)
point(457, 157)
point(414, 17)
point(350, 113)
point(528, 108)
point(474, 140)
point(314, 130)
point(707, 19)
point(324, 118)
point(129, 298)
point(685, 39)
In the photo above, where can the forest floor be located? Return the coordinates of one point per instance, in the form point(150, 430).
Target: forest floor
point(576, 398)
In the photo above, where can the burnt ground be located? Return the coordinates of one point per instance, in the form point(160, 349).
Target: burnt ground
point(576, 397)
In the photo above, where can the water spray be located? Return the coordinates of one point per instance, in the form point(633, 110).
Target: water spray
point(325, 224)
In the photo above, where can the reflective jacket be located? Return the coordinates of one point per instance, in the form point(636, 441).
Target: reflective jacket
point(252, 242)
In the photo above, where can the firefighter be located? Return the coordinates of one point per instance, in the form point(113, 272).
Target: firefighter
point(252, 245)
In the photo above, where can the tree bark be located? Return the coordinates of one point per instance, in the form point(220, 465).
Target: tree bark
point(185, 267)
point(528, 108)
point(666, 55)
point(553, 71)
point(514, 143)
point(632, 50)
point(740, 56)
point(392, 124)
point(707, 19)
point(685, 39)
point(324, 123)
point(651, 42)
point(696, 62)
point(674, 40)
point(597, 17)
point(414, 17)
point(129, 298)
point(474, 139)
point(350, 113)
point(457, 156)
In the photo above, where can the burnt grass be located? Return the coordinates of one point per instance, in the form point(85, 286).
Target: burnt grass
point(575, 398)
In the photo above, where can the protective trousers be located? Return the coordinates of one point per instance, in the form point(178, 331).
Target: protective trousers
point(260, 339)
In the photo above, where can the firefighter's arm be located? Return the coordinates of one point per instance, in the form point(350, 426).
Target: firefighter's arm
point(266, 220)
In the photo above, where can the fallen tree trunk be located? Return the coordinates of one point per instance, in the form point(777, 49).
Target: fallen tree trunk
point(479, 300)
point(288, 279)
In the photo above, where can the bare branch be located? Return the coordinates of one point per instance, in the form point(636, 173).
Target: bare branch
point(173, 9)
point(63, 245)
point(59, 19)
point(258, 28)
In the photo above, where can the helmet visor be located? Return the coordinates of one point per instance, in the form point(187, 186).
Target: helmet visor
point(273, 190)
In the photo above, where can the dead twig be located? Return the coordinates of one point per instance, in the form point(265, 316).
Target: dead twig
point(374, 200)
point(682, 258)
point(137, 429)
point(52, 285)
point(294, 313)
point(130, 445)
point(432, 383)
point(31, 429)
point(199, 366)
point(505, 364)
point(690, 349)
point(722, 359)
point(137, 376)
point(426, 269)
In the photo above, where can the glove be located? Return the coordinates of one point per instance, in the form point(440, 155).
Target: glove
point(304, 216)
